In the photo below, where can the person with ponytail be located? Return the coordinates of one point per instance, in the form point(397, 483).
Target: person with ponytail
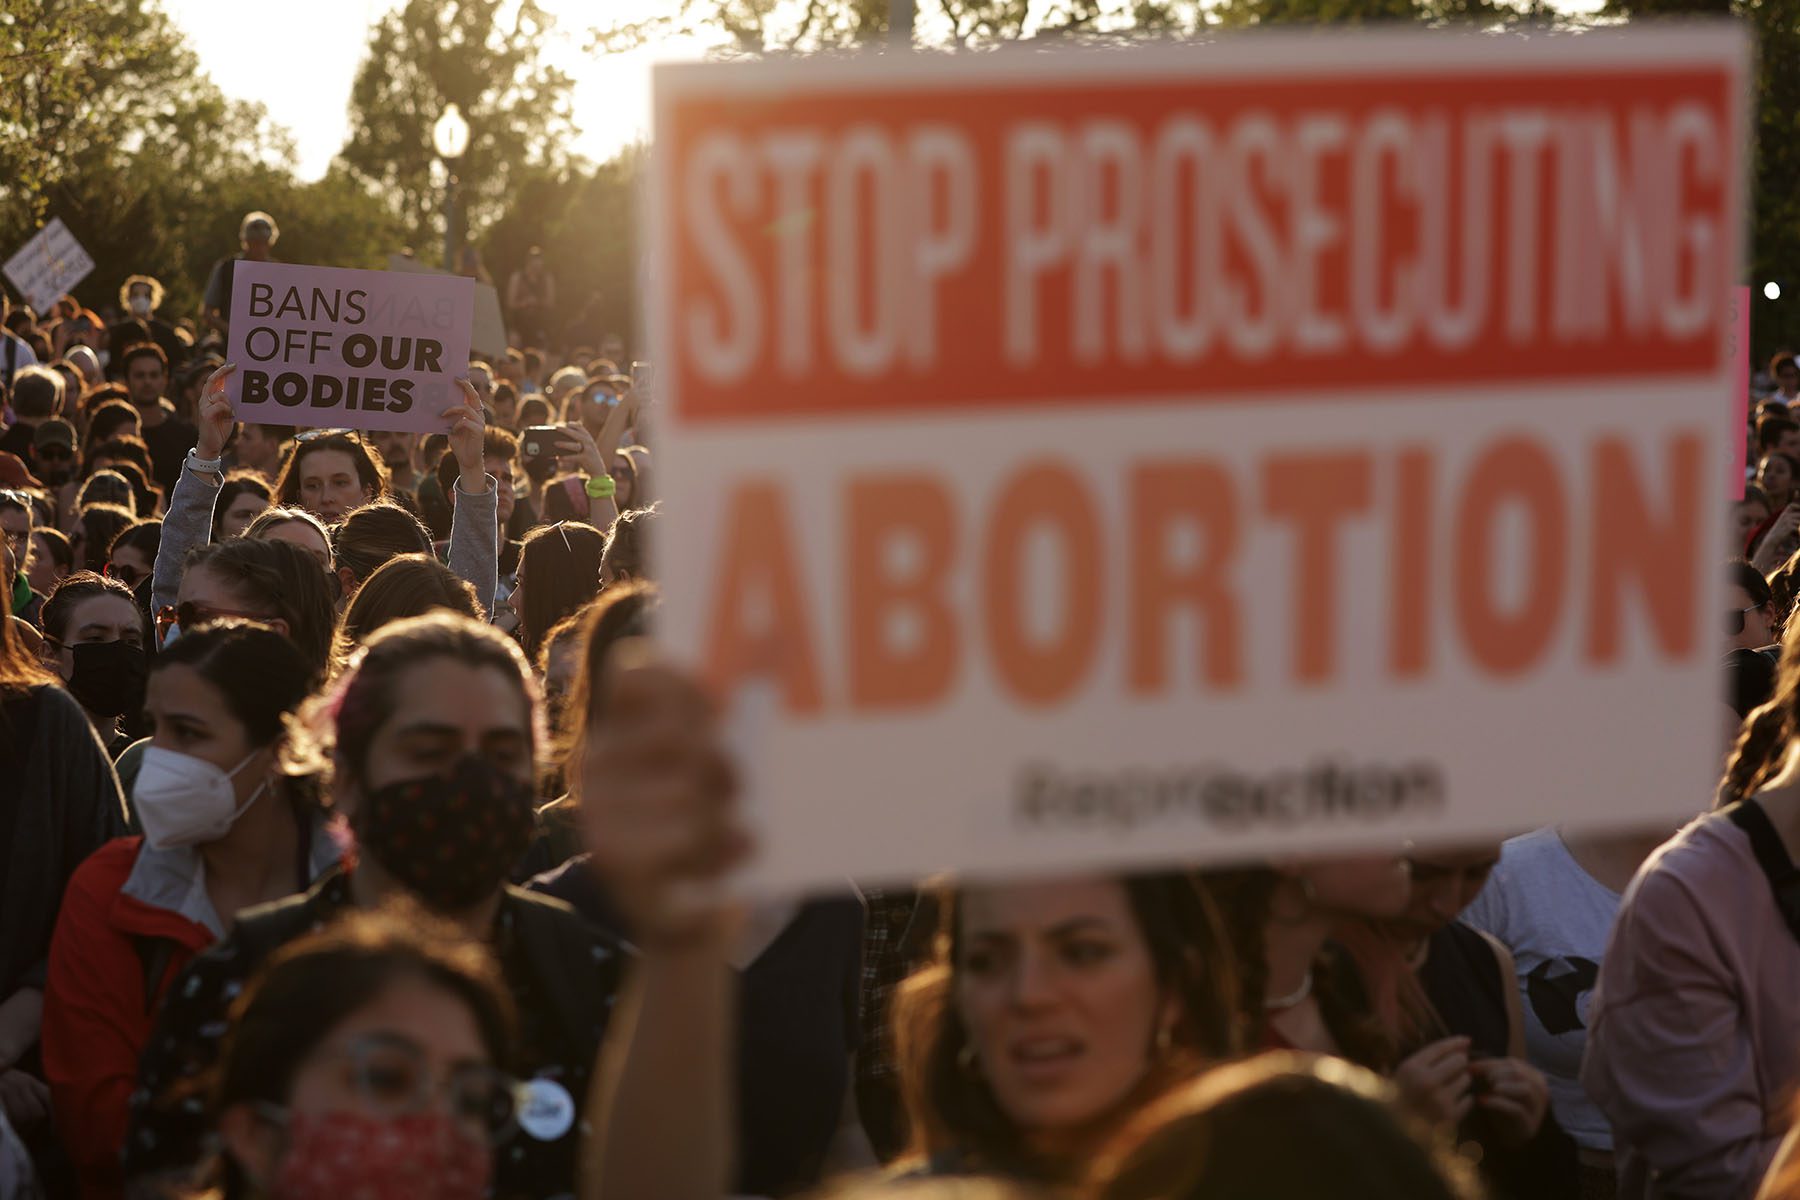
point(370, 536)
point(408, 586)
point(1324, 974)
point(1693, 1050)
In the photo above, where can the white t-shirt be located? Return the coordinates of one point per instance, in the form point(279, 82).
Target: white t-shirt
point(1554, 917)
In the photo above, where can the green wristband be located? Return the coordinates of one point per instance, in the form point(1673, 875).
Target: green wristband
point(600, 487)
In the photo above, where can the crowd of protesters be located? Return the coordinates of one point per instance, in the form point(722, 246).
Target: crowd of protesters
point(358, 844)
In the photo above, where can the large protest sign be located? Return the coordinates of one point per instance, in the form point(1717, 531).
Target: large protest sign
point(47, 266)
point(487, 332)
point(1739, 324)
point(1191, 453)
point(334, 347)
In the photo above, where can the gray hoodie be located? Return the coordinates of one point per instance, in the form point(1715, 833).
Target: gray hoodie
point(474, 537)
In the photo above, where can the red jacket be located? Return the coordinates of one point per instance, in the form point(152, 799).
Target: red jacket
point(96, 1017)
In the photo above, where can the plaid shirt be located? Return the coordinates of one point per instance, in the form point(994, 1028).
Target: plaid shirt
point(886, 962)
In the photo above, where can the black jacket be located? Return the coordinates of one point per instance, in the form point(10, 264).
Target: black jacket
point(563, 974)
point(59, 802)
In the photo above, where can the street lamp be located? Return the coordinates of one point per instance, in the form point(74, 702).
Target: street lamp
point(450, 138)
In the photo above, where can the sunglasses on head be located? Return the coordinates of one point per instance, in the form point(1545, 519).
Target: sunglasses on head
point(190, 613)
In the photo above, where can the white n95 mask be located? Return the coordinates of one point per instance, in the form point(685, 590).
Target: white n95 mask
point(181, 800)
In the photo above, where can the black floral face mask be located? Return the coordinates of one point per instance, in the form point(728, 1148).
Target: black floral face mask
point(452, 839)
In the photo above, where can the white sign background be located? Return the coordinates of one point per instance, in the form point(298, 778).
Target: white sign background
point(48, 265)
point(895, 797)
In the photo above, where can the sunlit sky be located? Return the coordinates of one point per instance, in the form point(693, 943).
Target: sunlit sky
point(302, 65)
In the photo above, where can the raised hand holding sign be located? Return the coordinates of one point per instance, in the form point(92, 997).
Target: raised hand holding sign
point(324, 346)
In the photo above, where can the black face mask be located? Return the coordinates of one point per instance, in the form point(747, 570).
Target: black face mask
point(109, 677)
point(451, 839)
point(56, 476)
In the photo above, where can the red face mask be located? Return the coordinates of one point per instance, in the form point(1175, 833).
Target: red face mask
point(348, 1156)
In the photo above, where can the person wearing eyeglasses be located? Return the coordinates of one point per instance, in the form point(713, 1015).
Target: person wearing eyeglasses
point(368, 1061)
point(97, 641)
point(1749, 609)
point(275, 582)
point(432, 742)
point(224, 829)
point(133, 553)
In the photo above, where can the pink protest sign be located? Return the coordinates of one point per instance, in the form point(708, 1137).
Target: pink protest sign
point(340, 348)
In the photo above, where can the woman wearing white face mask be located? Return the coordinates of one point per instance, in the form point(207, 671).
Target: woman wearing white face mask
point(139, 298)
point(223, 830)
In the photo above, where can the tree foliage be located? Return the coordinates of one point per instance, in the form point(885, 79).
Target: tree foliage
point(584, 220)
point(1774, 211)
point(484, 57)
point(109, 123)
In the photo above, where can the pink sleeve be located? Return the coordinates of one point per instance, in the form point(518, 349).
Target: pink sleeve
point(1669, 1056)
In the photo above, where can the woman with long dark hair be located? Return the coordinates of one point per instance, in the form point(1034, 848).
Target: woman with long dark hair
point(367, 1060)
point(243, 495)
point(1131, 990)
point(559, 571)
point(330, 473)
point(273, 582)
point(1047, 1014)
point(224, 829)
